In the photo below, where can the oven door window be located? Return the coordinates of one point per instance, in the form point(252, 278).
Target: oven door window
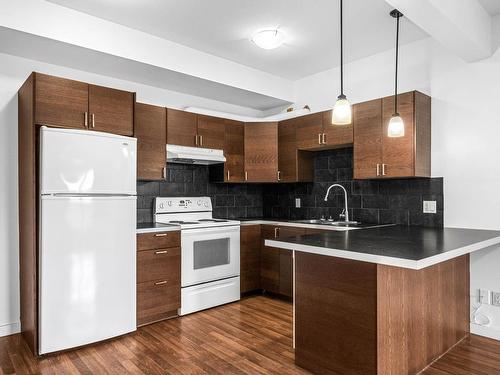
point(211, 253)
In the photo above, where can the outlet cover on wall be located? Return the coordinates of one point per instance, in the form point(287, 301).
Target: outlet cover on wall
point(297, 202)
point(495, 298)
point(430, 207)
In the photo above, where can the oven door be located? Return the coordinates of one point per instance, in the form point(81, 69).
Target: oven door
point(209, 254)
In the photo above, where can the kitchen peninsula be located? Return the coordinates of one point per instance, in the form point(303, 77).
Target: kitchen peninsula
point(386, 300)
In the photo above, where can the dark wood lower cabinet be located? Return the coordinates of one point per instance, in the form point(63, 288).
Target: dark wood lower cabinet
point(249, 258)
point(359, 318)
point(157, 300)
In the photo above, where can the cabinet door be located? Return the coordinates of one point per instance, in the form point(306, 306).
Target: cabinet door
point(60, 102)
point(151, 133)
point(211, 132)
point(269, 262)
point(367, 119)
point(261, 152)
point(286, 273)
point(309, 131)
point(234, 168)
point(287, 151)
point(181, 128)
point(398, 153)
point(336, 135)
point(250, 258)
point(111, 110)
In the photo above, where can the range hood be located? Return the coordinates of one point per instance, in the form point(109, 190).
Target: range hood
point(194, 155)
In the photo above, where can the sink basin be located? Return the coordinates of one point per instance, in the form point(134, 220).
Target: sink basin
point(331, 223)
point(314, 221)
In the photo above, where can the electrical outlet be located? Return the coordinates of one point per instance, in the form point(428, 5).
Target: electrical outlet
point(430, 207)
point(484, 296)
point(495, 298)
point(297, 202)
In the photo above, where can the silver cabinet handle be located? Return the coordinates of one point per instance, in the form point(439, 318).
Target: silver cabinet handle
point(276, 232)
point(246, 176)
point(378, 169)
point(161, 235)
point(161, 282)
point(86, 119)
point(383, 169)
point(228, 175)
point(161, 252)
point(279, 175)
point(201, 140)
point(164, 172)
point(92, 116)
point(196, 140)
point(319, 138)
point(324, 138)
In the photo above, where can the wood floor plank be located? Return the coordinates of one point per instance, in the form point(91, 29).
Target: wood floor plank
point(252, 336)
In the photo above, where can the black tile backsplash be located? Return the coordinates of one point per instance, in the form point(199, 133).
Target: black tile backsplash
point(228, 200)
point(371, 201)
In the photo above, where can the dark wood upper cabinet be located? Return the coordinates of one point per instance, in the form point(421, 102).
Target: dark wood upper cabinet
point(61, 102)
point(151, 133)
point(181, 128)
point(367, 119)
point(378, 156)
point(309, 130)
point(111, 110)
point(261, 152)
point(336, 135)
point(211, 132)
point(234, 144)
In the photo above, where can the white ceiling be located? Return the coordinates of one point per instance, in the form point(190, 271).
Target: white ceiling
point(223, 28)
point(491, 6)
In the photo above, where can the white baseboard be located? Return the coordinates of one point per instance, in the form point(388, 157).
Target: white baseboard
point(10, 329)
point(489, 332)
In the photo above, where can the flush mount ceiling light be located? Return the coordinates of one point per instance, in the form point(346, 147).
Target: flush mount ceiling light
point(269, 38)
point(396, 126)
point(342, 111)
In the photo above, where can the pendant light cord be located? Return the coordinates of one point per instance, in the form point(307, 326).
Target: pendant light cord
point(396, 77)
point(341, 51)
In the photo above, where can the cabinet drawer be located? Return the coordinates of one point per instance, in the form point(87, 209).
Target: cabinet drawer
point(159, 264)
point(157, 300)
point(158, 240)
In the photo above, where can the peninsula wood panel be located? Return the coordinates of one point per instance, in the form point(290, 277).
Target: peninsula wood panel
point(28, 207)
point(367, 122)
point(112, 110)
point(335, 315)
point(234, 168)
point(60, 102)
point(421, 314)
point(211, 132)
point(309, 131)
point(250, 258)
point(181, 128)
point(336, 135)
point(261, 152)
point(151, 133)
point(398, 153)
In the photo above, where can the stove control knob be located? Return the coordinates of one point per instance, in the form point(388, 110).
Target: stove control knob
point(199, 203)
point(170, 203)
point(206, 204)
point(161, 205)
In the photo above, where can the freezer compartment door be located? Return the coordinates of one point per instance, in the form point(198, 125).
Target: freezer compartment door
point(87, 264)
point(86, 162)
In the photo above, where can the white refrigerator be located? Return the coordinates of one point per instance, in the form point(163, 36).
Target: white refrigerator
point(87, 252)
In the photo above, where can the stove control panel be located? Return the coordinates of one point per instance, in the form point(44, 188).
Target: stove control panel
point(181, 204)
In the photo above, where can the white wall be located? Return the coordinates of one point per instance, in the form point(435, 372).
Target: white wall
point(13, 72)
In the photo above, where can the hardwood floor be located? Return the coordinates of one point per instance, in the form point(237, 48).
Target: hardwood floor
point(253, 336)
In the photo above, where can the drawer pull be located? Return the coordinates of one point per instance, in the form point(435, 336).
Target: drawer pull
point(161, 252)
point(161, 282)
point(161, 235)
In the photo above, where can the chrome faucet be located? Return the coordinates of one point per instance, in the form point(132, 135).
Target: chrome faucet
point(346, 209)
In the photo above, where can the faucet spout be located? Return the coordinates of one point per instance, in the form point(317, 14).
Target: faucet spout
point(345, 198)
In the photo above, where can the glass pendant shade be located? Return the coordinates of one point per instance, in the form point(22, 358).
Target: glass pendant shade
point(396, 127)
point(342, 111)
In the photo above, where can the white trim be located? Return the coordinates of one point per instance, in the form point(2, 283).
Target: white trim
point(489, 332)
point(389, 261)
point(10, 329)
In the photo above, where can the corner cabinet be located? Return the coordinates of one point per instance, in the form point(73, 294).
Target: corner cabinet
point(378, 156)
point(151, 133)
point(66, 103)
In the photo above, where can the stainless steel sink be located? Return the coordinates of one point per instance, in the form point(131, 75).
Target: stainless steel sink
point(314, 221)
point(330, 223)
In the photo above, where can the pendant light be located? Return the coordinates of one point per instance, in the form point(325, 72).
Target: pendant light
point(342, 111)
point(396, 126)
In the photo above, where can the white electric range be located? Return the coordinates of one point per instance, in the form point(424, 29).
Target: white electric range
point(210, 252)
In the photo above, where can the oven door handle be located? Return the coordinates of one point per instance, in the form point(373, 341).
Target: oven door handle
point(211, 230)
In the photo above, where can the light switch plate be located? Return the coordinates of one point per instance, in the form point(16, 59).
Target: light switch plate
point(430, 207)
point(297, 202)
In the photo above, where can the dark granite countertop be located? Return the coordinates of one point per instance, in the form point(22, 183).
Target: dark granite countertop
point(409, 247)
point(156, 227)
